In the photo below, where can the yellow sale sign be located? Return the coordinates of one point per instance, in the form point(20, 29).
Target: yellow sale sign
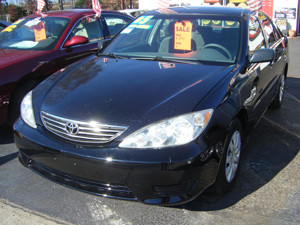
point(39, 31)
point(183, 35)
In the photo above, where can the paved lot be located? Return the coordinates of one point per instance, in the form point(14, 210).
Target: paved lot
point(267, 190)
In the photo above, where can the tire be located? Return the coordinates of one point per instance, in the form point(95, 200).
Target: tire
point(15, 102)
point(230, 160)
point(277, 101)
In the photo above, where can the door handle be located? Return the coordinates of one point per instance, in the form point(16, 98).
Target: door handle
point(252, 96)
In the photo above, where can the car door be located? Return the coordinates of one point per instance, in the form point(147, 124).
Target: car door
point(260, 74)
point(277, 43)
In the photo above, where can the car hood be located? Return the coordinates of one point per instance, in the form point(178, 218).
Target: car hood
point(124, 92)
point(12, 56)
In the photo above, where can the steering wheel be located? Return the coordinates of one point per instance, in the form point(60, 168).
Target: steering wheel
point(219, 47)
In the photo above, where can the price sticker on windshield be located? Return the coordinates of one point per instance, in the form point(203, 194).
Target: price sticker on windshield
point(9, 28)
point(183, 35)
point(140, 23)
point(13, 26)
point(40, 31)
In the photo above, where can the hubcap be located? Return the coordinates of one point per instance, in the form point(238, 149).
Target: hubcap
point(233, 156)
point(281, 89)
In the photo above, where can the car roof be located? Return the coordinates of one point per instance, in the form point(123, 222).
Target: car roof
point(72, 13)
point(203, 10)
point(131, 10)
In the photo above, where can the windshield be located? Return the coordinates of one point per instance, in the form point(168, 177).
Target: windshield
point(33, 33)
point(178, 37)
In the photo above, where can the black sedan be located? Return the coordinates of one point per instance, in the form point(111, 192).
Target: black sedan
point(163, 111)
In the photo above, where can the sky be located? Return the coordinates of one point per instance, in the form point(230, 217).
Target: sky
point(16, 2)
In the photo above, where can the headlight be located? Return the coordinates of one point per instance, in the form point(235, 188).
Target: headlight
point(171, 132)
point(27, 110)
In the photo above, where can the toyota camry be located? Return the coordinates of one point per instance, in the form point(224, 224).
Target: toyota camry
point(163, 111)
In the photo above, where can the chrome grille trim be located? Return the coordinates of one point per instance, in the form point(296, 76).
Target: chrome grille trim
point(88, 133)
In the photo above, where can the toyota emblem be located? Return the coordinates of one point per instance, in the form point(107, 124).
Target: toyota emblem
point(72, 128)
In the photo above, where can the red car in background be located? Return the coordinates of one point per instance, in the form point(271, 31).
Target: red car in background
point(36, 46)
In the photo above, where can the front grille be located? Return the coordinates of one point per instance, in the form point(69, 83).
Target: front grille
point(81, 132)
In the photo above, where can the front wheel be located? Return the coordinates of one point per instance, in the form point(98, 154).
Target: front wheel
point(230, 160)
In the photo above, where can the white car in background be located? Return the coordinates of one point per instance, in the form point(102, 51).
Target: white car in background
point(133, 12)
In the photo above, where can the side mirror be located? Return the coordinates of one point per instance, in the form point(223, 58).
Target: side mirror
point(76, 40)
point(263, 55)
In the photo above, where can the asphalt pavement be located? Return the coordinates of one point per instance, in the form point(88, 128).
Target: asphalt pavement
point(267, 190)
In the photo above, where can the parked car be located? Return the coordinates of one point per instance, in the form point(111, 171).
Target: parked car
point(36, 46)
point(163, 112)
point(3, 25)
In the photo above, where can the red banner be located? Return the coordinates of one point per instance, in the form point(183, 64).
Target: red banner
point(267, 7)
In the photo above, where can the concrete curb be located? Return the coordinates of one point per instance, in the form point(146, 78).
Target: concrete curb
point(11, 213)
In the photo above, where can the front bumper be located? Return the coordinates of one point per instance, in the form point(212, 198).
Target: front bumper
point(160, 176)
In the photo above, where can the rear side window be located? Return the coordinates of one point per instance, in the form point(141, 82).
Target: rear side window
point(256, 37)
point(115, 23)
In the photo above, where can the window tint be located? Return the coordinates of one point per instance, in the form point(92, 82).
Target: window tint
point(88, 27)
point(115, 23)
point(256, 37)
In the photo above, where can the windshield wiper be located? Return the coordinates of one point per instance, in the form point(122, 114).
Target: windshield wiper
point(162, 59)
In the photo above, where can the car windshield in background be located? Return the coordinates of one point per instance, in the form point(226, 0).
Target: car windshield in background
point(172, 37)
point(33, 33)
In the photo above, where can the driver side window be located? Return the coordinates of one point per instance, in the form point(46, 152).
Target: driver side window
point(88, 27)
point(256, 37)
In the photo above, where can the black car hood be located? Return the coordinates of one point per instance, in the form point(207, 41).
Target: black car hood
point(124, 92)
